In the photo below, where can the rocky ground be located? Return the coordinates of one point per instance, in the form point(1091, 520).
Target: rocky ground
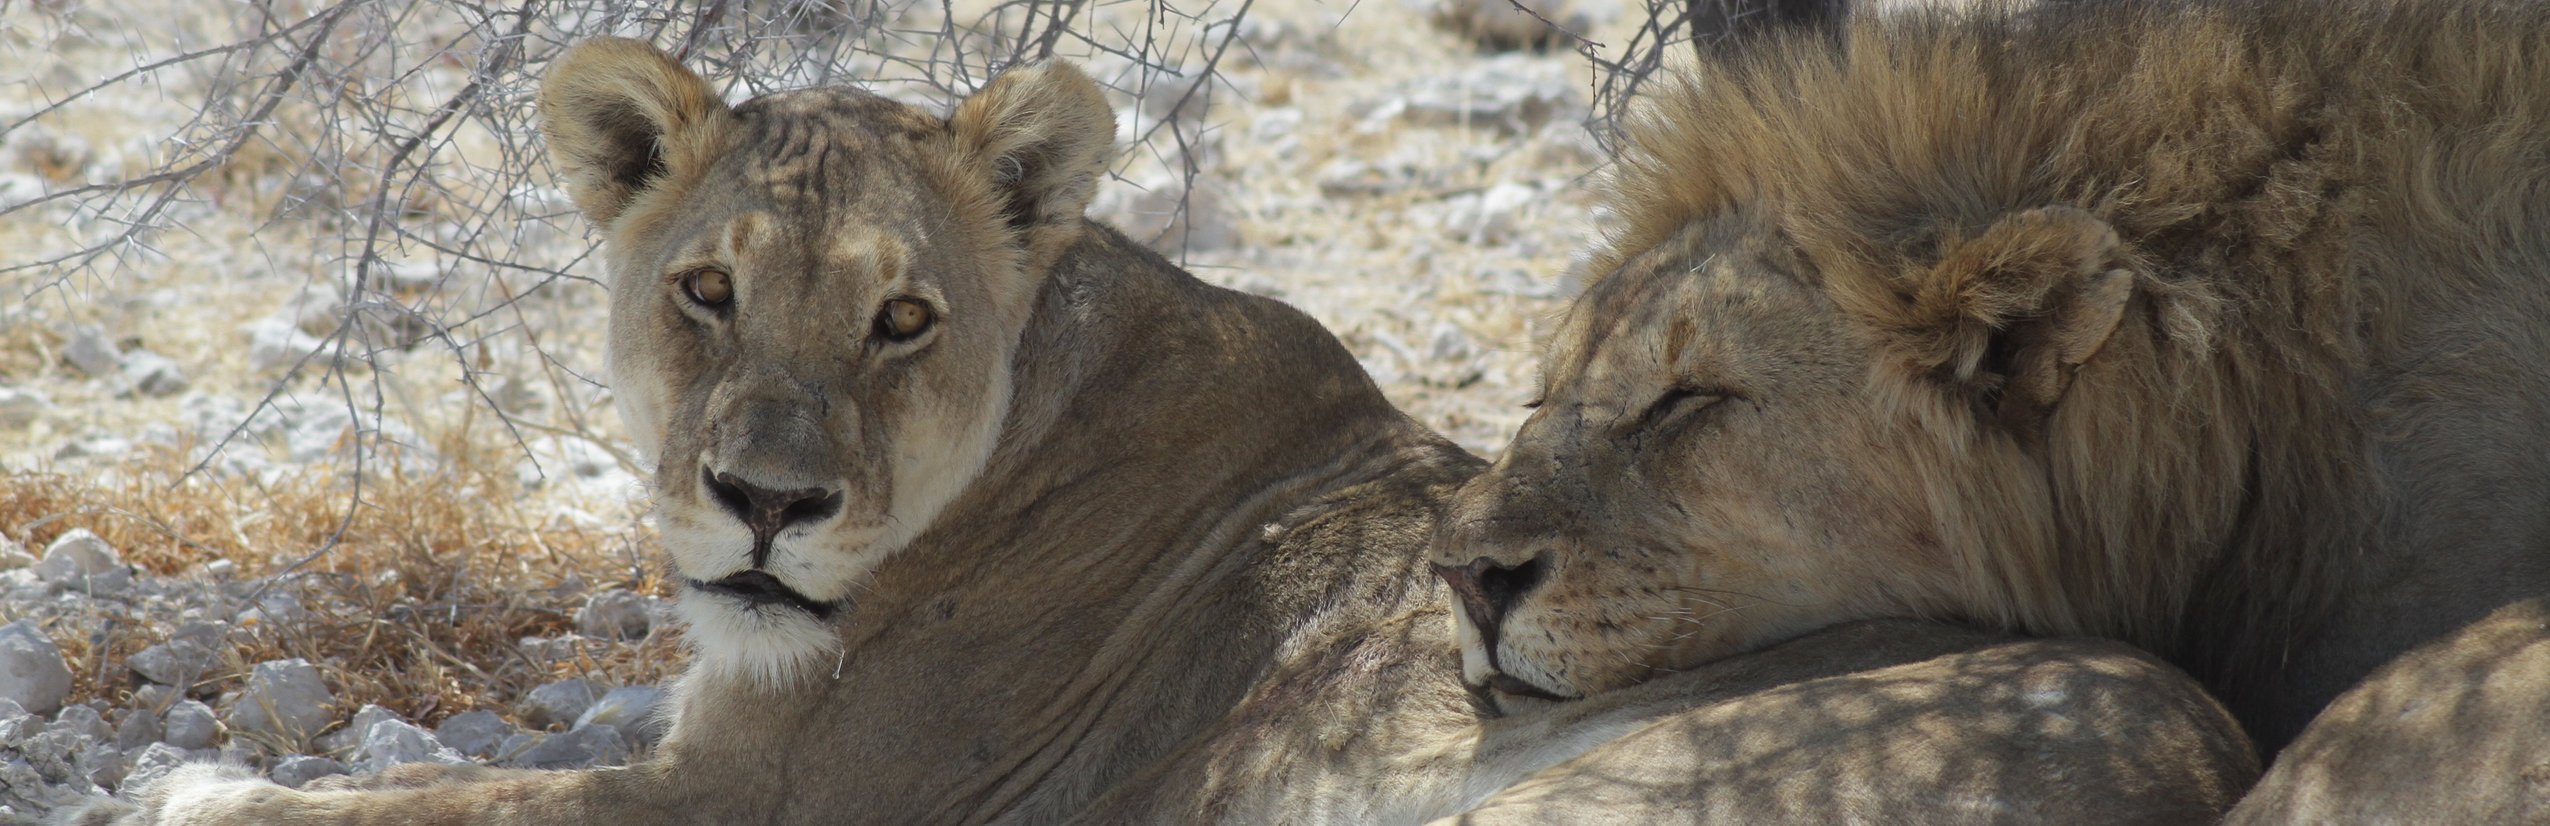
point(1405, 176)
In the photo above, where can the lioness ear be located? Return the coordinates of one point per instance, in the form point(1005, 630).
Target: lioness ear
point(2012, 313)
point(622, 118)
point(1043, 134)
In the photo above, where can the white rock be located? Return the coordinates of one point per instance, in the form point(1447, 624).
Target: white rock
point(87, 347)
point(516, 744)
point(20, 407)
point(140, 728)
point(1501, 209)
point(102, 764)
point(614, 614)
point(357, 728)
point(299, 769)
point(634, 710)
point(559, 702)
point(175, 662)
point(152, 374)
point(1449, 344)
point(32, 671)
point(581, 748)
point(189, 724)
point(316, 310)
point(155, 761)
point(1513, 93)
point(1349, 176)
point(75, 554)
point(392, 742)
point(85, 722)
point(566, 458)
point(156, 698)
point(277, 606)
point(1172, 216)
point(1496, 25)
point(410, 275)
point(19, 727)
point(274, 344)
point(284, 699)
point(96, 446)
point(555, 649)
point(478, 733)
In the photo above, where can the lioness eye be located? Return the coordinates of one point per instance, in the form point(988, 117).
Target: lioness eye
point(711, 288)
point(903, 319)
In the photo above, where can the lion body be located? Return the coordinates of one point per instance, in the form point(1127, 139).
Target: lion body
point(2212, 327)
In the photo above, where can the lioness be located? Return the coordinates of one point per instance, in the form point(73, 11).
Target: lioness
point(2214, 327)
point(987, 515)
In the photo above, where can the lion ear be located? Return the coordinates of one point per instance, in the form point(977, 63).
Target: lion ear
point(622, 118)
point(1042, 134)
point(2012, 313)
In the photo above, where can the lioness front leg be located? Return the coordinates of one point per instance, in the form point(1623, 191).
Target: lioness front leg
point(218, 795)
point(415, 776)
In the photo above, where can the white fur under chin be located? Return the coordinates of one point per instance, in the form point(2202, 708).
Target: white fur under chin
point(771, 647)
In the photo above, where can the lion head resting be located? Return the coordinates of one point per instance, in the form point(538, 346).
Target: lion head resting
point(2176, 323)
point(815, 299)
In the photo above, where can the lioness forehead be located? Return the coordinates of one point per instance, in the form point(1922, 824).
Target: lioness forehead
point(813, 149)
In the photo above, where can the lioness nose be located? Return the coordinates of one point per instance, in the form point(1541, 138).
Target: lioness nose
point(767, 511)
point(1487, 590)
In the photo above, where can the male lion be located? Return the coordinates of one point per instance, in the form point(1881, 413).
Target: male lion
point(987, 515)
point(2213, 327)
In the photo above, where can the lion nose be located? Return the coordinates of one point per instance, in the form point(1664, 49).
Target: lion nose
point(768, 511)
point(1488, 589)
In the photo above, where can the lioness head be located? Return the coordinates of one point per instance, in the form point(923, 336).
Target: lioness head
point(815, 296)
point(1729, 450)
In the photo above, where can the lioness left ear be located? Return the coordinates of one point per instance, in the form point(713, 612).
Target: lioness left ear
point(623, 119)
point(1043, 134)
point(2012, 313)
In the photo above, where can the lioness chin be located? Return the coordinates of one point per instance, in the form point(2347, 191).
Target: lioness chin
point(986, 515)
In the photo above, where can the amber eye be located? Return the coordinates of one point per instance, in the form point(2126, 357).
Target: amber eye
point(711, 288)
point(903, 319)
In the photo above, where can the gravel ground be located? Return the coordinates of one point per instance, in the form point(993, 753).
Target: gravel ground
point(1417, 192)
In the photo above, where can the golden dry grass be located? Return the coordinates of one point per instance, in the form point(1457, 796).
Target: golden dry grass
point(418, 606)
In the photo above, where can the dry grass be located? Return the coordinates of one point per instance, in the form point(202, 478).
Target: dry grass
point(418, 607)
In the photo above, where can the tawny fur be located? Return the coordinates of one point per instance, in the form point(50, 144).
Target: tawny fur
point(2306, 432)
point(1181, 581)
